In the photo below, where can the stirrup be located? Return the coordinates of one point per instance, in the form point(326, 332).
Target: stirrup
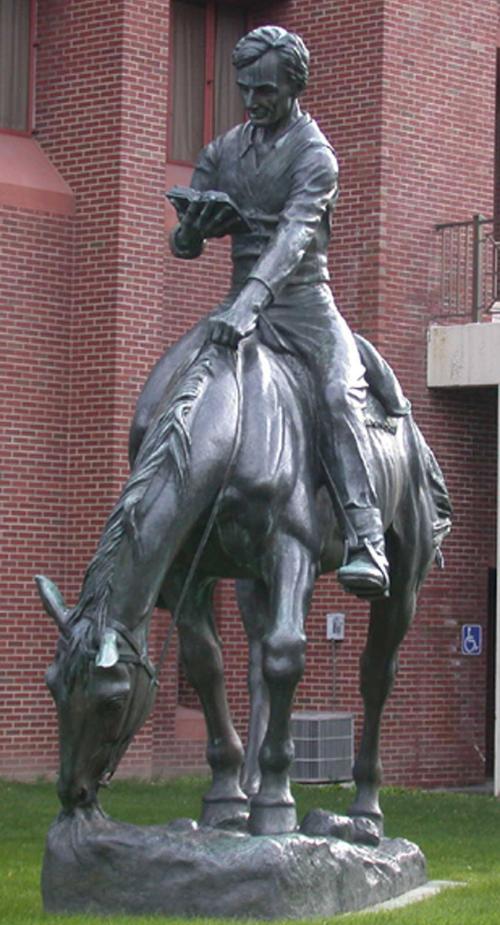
point(366, 573)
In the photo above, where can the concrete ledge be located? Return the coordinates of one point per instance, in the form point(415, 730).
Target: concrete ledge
point(463, 355)
point(426, 891)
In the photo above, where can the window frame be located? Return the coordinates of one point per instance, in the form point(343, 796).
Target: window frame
point(30, 113)
point(209, 76)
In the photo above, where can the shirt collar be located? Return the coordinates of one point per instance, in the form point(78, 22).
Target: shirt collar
point(249, 134)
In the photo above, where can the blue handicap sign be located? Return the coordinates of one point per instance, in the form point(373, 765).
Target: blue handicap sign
point(472, 639)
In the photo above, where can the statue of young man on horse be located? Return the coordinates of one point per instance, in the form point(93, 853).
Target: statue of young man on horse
point(253, 458)
point(281, 172)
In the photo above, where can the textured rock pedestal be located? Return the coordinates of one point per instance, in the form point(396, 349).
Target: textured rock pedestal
point(96, 865)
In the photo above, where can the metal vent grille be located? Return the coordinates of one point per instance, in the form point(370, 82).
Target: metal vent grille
point(324, 746)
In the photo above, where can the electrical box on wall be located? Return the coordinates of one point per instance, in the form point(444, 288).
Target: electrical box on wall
point(335, 626)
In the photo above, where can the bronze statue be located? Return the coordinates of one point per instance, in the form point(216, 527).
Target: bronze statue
point(281, 172)
point(256, 456)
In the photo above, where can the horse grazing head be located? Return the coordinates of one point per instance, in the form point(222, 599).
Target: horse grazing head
point(103, 686)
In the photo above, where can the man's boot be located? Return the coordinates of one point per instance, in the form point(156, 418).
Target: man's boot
point(366, 569)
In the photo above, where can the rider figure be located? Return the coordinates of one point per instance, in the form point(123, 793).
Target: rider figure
point(282, 174)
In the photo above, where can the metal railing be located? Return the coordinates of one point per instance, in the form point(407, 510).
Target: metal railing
point(469, 268)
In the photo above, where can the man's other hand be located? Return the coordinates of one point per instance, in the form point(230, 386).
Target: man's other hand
point(240, 319)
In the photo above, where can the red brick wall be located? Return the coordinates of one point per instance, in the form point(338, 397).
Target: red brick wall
point(406, 94)
point(101, 115)
point(439, 81)
point(35, 259)
point(434, 730)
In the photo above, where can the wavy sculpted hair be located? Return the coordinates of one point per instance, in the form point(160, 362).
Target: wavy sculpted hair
point(289, 46)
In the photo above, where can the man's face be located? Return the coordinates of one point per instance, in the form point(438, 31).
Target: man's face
point(268, 96)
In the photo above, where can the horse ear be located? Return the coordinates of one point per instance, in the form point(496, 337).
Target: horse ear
point(108, 653)
point(53, 602)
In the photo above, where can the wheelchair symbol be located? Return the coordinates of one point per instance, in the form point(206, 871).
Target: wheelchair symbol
point(471, 639)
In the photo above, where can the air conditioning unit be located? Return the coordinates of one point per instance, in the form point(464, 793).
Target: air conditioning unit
point(324, 746)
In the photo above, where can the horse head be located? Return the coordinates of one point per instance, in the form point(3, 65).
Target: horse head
point(103, 686)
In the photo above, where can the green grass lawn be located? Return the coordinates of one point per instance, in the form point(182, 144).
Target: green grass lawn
point(459, 834)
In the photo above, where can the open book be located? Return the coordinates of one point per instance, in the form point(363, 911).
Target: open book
point(182, 196)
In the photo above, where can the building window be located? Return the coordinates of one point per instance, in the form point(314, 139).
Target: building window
point(204, 98)
point(16, 44)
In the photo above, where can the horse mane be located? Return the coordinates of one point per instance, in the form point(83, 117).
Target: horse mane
point(168, 434)
point(76, 650)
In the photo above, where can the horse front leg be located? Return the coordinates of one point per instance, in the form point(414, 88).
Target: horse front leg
point(254, 606)
point(202, 659)
point(290, 582)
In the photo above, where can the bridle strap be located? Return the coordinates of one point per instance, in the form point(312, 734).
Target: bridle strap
point(137, 657)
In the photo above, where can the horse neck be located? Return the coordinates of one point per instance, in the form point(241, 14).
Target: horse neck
point(168, 435)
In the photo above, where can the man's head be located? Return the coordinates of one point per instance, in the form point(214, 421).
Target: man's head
point(272, 69)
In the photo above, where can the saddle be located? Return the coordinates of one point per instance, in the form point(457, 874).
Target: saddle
point(383, 384)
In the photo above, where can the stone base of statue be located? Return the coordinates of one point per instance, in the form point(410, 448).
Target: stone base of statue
point(96, 865)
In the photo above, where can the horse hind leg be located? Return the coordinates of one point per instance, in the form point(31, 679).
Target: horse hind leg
point(390, 619)
point(378, 667)
point(201, 653)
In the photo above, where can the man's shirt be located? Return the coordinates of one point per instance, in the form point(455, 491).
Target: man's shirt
point(286, 194)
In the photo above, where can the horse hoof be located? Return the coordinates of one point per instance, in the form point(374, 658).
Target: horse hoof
point(371, 815)
point(272, 819)
point(225, 814)
point(356, 830)
point(367, 831)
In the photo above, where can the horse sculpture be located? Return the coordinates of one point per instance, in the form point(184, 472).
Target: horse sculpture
point(226, 482)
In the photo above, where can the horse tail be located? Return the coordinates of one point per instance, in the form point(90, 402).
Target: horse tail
point(439, 491)
point(168, 434)
point(435, 486)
